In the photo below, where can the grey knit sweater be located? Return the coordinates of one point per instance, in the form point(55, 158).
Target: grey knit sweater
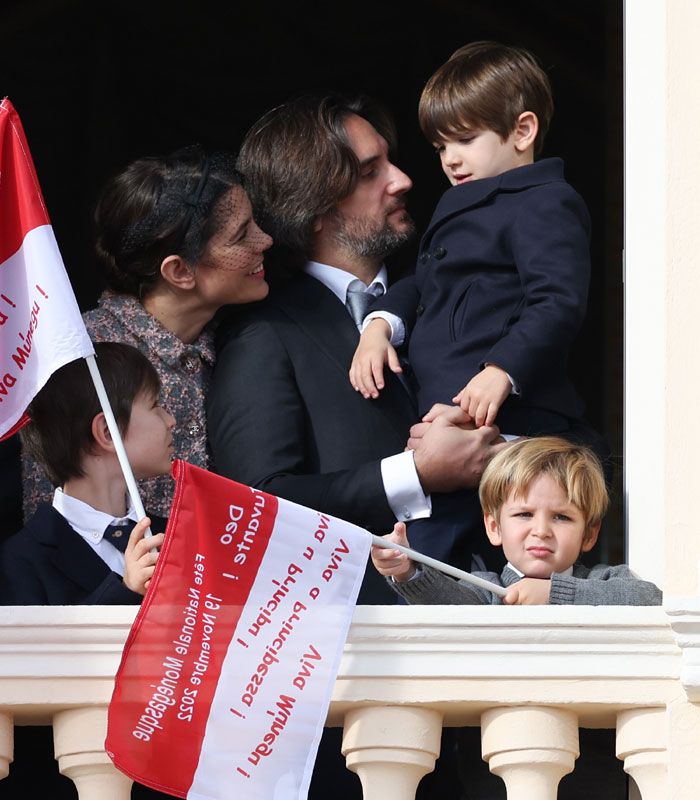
point(599, 586)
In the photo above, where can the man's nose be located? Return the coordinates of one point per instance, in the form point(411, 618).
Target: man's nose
point(399, 182)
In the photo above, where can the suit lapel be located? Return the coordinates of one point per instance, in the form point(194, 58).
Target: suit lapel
point(318, 311)
point(459, 199)
point(69, 552)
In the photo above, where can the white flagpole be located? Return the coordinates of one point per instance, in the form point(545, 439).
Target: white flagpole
point(116, 438)
point(378, 541)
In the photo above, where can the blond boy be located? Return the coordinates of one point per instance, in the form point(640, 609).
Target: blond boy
point(543, 500)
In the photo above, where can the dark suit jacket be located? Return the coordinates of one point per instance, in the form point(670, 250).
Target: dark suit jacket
point(502, 278)
point(48, 563)
point(284, 418)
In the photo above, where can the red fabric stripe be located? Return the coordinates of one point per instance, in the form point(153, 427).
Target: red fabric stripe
point(199, 517)
point(22, 205)
point(17, 427)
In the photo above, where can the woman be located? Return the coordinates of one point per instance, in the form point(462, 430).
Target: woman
point(177, 237)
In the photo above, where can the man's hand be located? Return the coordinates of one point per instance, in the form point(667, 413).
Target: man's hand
point(373, 352)
point(139, 562)
point(393, 563)
point(529, 592)
point(484, 395)
point(449, 452)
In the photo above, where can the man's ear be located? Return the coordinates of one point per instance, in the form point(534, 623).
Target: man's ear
point(493, 530)
point(100, 433)
point(177, 273)
point(590, 537)
point(318, 224)
point(525, 132)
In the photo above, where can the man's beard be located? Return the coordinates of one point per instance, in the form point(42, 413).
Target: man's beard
point(361, 236)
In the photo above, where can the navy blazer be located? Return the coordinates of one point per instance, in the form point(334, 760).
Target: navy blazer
point(284, 418)
point(502, 278)
point(48, 563)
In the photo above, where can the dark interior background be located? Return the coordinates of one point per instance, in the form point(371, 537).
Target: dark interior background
point(99, 84)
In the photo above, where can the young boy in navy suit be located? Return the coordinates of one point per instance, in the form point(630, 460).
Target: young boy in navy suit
point(502, 278)
point(81, 549)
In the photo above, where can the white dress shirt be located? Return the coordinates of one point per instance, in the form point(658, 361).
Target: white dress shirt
point(402, 487)
point(90, 524)
point(567, 573)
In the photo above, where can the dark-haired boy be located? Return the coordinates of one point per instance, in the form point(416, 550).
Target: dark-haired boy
point(502, 278)
point(79, 549)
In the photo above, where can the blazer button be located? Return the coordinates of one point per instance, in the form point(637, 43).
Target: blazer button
point(420, 310)
point(439, 252)
point(425, 257)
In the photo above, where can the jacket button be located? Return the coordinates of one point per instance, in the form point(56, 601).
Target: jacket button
point(425, 257)
point(439, 252)
point(420, 310)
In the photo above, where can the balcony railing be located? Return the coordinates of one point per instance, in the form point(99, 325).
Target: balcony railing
point(529, 676)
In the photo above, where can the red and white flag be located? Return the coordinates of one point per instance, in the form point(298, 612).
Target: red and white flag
point(40, 324)
point(227, 673)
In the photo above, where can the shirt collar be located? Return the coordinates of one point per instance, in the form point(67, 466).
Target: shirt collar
point(565, 572)
point(89, 522)
point(155, 336)
point(338, 280)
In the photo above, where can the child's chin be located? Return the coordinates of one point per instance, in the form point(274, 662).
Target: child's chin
point(543, 573)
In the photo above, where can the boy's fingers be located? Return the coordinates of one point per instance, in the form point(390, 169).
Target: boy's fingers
point(393, 361)
point(511, 598)
point(366, 380)
point(377, 376)
point(492, 414)
point(143, 545)
point(436, 411)
point(482, 414)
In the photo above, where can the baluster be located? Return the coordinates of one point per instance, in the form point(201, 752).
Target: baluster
point(391, 748)
point(531, 748)
point(79, 736)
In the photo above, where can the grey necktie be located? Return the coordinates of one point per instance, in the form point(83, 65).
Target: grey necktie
point(359, 297)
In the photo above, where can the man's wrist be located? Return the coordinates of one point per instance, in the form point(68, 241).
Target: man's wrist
point(403, 487)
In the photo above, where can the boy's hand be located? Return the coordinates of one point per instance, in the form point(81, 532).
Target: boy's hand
point(484, 395)
point(450, 453)
point(373, 352)
point(392, 563)
point(529, 592)
point(139, 562)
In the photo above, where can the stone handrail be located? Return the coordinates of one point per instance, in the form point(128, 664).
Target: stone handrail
point(529, 676)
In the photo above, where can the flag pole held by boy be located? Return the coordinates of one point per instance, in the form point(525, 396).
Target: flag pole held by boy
point(40, 324)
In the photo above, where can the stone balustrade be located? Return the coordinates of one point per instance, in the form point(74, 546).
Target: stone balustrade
point(528, 676)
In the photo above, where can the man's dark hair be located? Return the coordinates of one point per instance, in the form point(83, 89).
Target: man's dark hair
point(158, 207)
point(61, 414)
point(298, 165)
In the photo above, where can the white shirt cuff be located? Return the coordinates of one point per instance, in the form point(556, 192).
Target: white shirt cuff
point(398, 329)
point(403, 491)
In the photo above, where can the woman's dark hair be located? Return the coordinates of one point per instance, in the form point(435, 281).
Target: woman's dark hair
point(60, 431)
point(158, 207)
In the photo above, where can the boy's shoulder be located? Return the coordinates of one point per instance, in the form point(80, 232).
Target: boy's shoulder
point(43, 526)
point(524, 187)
